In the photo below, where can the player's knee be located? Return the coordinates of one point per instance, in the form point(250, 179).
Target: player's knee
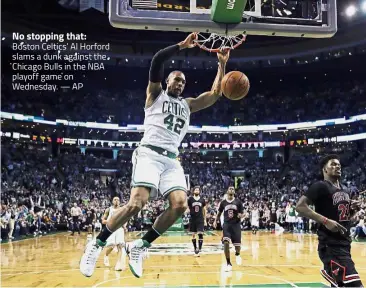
point(135, 205)
point(179, 203)
point(139, 197)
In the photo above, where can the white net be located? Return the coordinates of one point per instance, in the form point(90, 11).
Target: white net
point(215, 42)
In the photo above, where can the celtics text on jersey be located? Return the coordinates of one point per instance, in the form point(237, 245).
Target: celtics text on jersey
point(166, 122)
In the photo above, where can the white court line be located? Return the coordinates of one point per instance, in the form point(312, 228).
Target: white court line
point(244, 265)
point(215, 272)
point(168, 266)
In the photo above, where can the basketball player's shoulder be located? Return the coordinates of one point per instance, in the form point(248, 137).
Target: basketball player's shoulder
point(190, 200)
point(320, 184)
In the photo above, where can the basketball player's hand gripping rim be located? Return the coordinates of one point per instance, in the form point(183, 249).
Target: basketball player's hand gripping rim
point(189, 42)
point(335, 226)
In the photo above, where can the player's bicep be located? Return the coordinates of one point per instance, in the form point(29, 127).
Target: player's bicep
point(105, 215)
point(221, 208)
point(303, 204)
point(203, 101)
point(153, 90)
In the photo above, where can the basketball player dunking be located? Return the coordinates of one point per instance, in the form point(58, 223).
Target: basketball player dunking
point(155, 164)
point(334, 210)
point(197, 209)
point(233, 210)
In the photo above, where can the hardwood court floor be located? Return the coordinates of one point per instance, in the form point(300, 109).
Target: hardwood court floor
point(281, 261)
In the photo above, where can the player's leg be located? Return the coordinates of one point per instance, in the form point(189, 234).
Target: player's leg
point(121, 255)
point(172, 186)
point(108, 251)
point(226, 238)
point(119, 263)
point(90, 230)
point(343, 268)
point(138, 199)
point(236, 240)
point(194, 240)
point(200, 229)
point(339, 269)
point(137, 249)
point(193, 230)
point(110, 244)
point(177, 205)
point(144, 185)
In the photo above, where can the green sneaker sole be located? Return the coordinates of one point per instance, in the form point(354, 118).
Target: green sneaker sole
point(133, 271)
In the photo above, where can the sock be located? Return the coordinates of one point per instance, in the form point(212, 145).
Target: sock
point(194, 241)
point(104, 234)
point(200, 241)
point(151, 235)
point(228, 261)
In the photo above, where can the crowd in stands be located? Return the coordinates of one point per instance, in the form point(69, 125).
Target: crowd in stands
point(33, 180)
point(266, 104)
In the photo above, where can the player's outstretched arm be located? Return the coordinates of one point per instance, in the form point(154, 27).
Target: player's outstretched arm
point(208, 98)
point(156, 73)
point(302, 207)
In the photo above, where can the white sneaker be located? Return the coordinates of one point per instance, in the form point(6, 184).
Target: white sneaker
point(90, 257)
point(228, 268)
point(89, 238)
point(106, 261)
point(119, 267)
point(238, 260)
point(137, 252)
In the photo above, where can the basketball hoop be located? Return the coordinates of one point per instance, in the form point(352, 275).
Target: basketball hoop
point(215, 42)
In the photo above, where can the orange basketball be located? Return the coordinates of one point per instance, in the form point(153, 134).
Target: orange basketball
point(235, 85)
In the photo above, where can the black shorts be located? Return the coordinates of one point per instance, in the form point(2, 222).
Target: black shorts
point(339, 269)
point(89, 222)
point(196, 226)
point(232, 232)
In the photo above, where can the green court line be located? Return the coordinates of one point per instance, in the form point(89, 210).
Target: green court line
point(177, 233)
point(186, 233)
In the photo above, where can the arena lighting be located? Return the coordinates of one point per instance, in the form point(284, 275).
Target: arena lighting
point(351, 11)
point(363, 6)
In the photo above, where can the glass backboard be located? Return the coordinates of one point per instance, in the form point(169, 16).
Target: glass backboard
point(304, 18)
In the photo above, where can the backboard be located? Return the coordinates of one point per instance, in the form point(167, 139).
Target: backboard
point(291, 18)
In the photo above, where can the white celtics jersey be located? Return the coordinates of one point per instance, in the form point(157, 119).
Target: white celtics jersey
point(166, 122)
point(111, 211)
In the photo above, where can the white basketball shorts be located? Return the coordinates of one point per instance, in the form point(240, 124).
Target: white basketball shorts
point(117, 238)
point(254, 222)
point(291, 219)
point(158, 172)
